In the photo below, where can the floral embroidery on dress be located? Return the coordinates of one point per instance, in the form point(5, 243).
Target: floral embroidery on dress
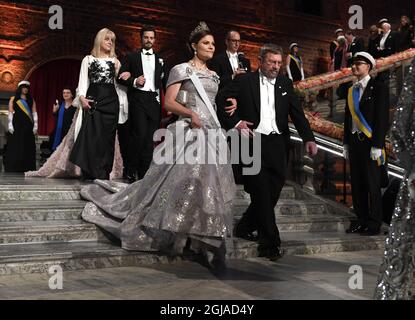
point(101, 71)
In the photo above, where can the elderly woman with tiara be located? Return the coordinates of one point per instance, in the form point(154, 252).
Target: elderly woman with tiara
point(182, 201)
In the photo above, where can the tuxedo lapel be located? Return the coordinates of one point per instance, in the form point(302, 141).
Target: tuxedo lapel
point(227, 64)
point(278, 92)
point(140, 64)
point(256, 90)
point(157, 68)
point(367, 94)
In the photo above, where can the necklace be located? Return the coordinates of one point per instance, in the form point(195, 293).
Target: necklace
point(193, 64)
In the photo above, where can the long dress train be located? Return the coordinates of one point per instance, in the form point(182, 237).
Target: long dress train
point(397, 279)
point(58, 165)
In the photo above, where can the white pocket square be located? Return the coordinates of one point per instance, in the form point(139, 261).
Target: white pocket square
point(284, 93)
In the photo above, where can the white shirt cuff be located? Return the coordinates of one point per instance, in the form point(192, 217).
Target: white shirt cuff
point(237, 124)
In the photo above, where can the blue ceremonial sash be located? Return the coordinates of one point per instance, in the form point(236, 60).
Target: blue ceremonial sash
point(58, 132)
point(382, 159)
point(354, 103)
point(297, 60)
point(22, 104)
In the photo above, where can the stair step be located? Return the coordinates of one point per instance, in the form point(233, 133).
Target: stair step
point(49, 231)
point(289, 207)
point(40, 192)
point(31, 258)
point(287, 192)
point(41, 210)
point(302, 243)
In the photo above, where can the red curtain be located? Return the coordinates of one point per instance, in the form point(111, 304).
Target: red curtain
point(46, 85)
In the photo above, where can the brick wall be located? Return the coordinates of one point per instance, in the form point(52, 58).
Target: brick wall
point(26, 41)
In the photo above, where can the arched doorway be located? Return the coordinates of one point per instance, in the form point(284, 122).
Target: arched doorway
point(47, 82)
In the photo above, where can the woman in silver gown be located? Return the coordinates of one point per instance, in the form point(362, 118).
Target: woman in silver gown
point(396, 280)
point(176, 201)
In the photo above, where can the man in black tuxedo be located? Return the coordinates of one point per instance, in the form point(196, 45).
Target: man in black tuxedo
point(265, 101)
point(388, 43)
point(355, 45)
point(147, 72)
point(230, 63)
point(364, 144)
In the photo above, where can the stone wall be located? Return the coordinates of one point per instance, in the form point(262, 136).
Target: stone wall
point(26, 41)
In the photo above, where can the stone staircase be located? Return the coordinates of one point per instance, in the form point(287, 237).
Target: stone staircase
point(41, 226)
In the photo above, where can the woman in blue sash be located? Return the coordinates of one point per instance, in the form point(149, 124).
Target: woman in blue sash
point(20, 153)
point(64, 113)
point(294, 64)
point(177, 202)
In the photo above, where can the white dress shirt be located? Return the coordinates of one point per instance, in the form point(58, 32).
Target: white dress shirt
point(383, 40)
point(268, 123)
point(233, 59)
point(363, 84)
point(149, 67)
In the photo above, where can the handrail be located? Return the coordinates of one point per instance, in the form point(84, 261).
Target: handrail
point(335, 78)
point(334, 147)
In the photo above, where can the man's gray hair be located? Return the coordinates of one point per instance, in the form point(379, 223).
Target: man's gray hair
point(270, 48)
point(387, 25)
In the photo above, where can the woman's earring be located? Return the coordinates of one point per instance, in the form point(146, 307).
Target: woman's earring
point(195, 52)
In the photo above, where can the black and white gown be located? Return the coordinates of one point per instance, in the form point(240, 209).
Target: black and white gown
point(93, 150)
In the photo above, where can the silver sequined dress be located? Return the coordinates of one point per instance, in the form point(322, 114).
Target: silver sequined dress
point(396, 280)
point(174, 201)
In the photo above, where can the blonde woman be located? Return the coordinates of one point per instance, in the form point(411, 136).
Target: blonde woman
point(102, 64)
point(93, 150)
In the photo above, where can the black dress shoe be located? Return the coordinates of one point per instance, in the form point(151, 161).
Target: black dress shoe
point(272, 254)
point(246, 236)
point(370, 232)
point(131, 179)
point(132, 176)
point(218, 267)
point(356, 228)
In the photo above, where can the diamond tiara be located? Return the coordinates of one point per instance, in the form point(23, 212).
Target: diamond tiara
point(201, 27)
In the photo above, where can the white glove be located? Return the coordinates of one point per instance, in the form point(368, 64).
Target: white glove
point(346, 152)
point(10, 126)
point(35, 122)
point(375, 153)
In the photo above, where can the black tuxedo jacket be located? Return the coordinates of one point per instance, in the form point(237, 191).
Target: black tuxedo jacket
point(391, 45)
point(357, 45)
point(134, 64)
point(246, 90)
point(375, 110)
point(372, 47)
point(222, 66)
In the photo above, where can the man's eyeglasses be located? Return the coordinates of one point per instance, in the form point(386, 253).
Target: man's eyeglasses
point(234, 41)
